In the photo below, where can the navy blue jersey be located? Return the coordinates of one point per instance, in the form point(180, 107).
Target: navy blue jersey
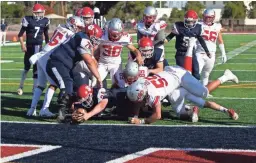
point(71, 51)
point(150, 63)
point(34, 29)
point(183, 34)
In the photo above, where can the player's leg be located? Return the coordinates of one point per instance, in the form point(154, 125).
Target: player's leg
point(37, 91)
point(179, 57)
point(195, 67)
point(37, 48)
point(113, 70)
point(102, 69)
point(207, 69)
point(27, 65)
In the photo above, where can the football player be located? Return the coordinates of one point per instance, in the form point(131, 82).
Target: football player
point(87, 14)
point(34, 26)
point(61, 62)
point(183, 31)
point(153, 57)
point(132, 71)
point(154, 88)
point(152, 28)
point(110, 49)
point(81, 72)
point(62, 33)
point(211, 33)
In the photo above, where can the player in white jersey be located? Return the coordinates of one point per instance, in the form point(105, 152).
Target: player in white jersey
point(152, 28)
point(211, 33)
point(111, 46)
point(61, 34)
point(131, 73)
point(155, 88)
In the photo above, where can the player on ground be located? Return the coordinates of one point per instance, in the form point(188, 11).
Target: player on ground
point(34, 26)
point(60, 65)
point(62, 33)
point(183, 31)
point(155, 88)
point(152, 28)
point(211, 33)
point(111, 47)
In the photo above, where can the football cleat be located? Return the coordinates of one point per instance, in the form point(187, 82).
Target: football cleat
point(46, 113)
point(233, 114)
point(31, 112)
point(20, 91)
point(230, 76)
point(194, 116)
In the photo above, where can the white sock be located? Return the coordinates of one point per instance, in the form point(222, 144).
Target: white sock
point(223, 79)
point(36, 97)
point(223, 109)
point(48, 98)
point(23, 78)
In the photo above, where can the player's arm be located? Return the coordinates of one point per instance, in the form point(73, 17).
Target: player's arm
point(46, 32)
point(174, 33)
point(159, 68)
point(222, 48)
point(160, 37)
point(97, 109)
point(202, 42)
point(137, 53)
point(24, 26)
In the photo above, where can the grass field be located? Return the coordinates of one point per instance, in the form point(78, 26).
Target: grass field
point(241, 97)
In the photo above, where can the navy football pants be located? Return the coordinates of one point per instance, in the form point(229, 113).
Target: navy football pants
point(31, 50)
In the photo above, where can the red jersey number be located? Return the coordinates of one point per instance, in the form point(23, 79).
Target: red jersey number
point(112, 51)
point(210, 35)
point(157, 81)
point(56, 38)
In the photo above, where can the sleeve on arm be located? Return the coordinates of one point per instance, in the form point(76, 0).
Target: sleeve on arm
point(22, 30)
point(85, 47)
point(202, 42)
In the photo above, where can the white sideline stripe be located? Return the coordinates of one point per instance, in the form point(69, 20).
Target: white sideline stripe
point(212, 70)
point(239, 50)
point(151, 150)
point(42, 148)
point(232, 98)
point(132, 125)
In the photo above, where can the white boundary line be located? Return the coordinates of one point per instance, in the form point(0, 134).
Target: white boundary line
point(212, 70)
point(42, 148)
point(132, 125)
point(151, 150)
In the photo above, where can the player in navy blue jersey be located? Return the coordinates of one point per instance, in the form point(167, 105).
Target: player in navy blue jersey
point(62, 61)
point(153, 57)
point(34, 26)
point(183, 31)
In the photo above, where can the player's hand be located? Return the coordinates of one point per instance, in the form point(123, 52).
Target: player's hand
point(24, 48)
point(134, 120)
point(79, 115)
point(224, 58)
point(99, 83)
point(209, 55)
point(165, 41)
point(140, 60)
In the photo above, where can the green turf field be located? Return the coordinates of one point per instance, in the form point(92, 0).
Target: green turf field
point(241, 97)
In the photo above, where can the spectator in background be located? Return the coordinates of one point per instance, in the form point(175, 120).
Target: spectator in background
point(4, 28)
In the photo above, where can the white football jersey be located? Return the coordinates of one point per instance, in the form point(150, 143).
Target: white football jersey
point(152, 31)
point(60, 35)
point(210, 35)
point(122, 83)
point(160, 85)
point(110, 51)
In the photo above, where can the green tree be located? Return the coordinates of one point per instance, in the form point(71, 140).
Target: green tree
point(127, 10)
point(234, 10)
point(176, 15)
point(196, 6)
point(12, 10)
point(252, 11)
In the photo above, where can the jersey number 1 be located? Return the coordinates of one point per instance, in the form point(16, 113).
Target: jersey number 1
point(157, 81)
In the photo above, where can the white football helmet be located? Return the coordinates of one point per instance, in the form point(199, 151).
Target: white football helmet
point(137, 91)
point(131, 72)
point(115, 29)
point(209, 16)
point(75, 23)
point(149, 15)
